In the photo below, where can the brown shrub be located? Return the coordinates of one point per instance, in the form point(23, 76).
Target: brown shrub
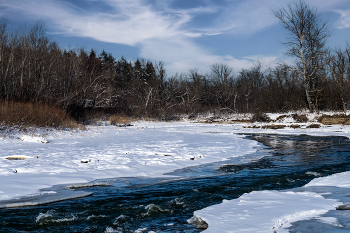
point(120, 120)
point(294, 126)
point(34, 115)
point(300, 118)
point(281, 117)
point(260, 117)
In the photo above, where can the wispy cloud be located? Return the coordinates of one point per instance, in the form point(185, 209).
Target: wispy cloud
point(161, 31)
point(180, 55)
point(127, 22)
point(344, 21)
point(247, 16)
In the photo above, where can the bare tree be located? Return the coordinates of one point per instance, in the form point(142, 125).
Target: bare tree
point(307, 38)
point(339, 67)
point(222, 78)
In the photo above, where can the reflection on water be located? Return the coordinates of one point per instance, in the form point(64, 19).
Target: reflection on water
point(165, 207)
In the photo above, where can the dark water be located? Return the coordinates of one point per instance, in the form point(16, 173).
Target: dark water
point(292, 162)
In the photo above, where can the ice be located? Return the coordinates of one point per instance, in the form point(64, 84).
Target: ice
point(93, 217)
point(42, 216)
point(341, 180)
point(313, 173)
point(44, 197)
point(264, 211)
point(140, 230)
point(111, 230)
point(154, 210)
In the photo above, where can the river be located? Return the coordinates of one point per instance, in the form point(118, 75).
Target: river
point(165, 205)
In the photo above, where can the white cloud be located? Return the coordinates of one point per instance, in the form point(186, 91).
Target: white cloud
point(180, 55)
point(161, 32)
point(247, 16)
point(344, 21)
point(250, 16)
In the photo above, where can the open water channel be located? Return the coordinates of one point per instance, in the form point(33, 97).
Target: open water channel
point(165, 205)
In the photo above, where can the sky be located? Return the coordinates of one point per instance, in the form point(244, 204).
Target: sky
point(183, 34)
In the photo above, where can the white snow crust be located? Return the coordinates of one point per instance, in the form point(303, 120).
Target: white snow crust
point(341, 180)
point(146, 149)
point(152, 149)
point(264, 211)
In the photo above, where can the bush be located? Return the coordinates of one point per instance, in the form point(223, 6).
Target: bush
point(120, 120)
point(300, 118)
point(34, 115)
point(260, 117)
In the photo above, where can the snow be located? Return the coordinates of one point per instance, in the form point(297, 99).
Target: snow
point(341, 180)
point(151, 149)
point(264, 211)
point(146, 149)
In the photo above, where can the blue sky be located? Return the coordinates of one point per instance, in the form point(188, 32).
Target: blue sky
point(184, 34)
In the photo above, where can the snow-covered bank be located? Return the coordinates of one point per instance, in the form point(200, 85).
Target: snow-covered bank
point(322, 201)
point(146, 149)
point(265, 211)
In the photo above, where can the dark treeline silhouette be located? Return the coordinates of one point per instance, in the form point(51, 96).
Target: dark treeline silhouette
point(35, 69)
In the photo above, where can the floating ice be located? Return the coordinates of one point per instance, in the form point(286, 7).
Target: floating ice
point(111, 230)
point(42, 216)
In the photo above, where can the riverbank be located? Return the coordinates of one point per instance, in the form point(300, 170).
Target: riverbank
point(146, 149)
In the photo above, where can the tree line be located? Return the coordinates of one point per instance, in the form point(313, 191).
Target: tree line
point(35, 69)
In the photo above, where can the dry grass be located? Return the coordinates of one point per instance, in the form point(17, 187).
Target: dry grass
point(314, 126)
point(340, 119)
point(16, 158)
point(121, 120)
point(34, 115)
point(273, 126)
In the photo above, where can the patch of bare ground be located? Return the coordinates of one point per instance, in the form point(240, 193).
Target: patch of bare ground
point(241, 121)
point(339, 119)
point(214, 120)
point(313, 126)
point(273, 126)
point(252, 127)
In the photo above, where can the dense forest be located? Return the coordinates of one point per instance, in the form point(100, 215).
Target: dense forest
point(35, 69)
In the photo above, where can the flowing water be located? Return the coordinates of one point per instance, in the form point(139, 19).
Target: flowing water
point(163, 205)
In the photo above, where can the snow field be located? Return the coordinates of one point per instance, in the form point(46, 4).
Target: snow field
point(147, 149)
